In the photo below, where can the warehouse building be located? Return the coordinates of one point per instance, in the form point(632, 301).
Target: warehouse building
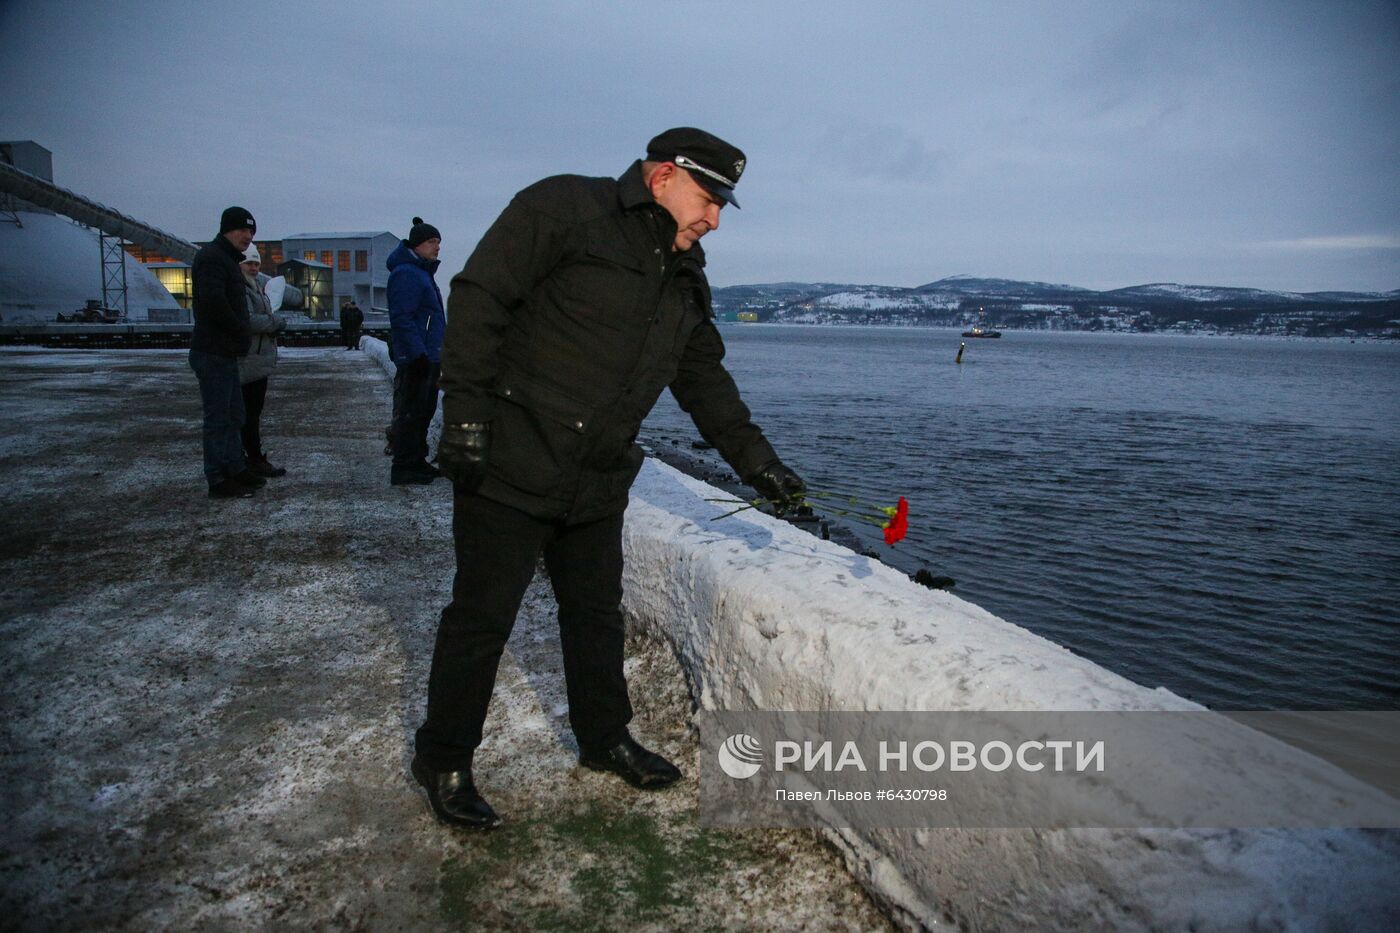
point(355, 259)
point(61, 256)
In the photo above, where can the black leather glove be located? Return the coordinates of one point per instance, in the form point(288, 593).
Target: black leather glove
point(780, 486)
point(418, 369)
point(462, 453)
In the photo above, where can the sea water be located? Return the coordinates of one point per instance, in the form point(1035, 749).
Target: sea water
point(1219, 516)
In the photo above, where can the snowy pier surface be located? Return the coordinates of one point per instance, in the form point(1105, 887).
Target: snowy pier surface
point(209, 706)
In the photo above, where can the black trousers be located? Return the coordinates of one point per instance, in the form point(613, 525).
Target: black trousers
point(351, 336)
point(254, 395)
point(497, 547)
point(415, 403)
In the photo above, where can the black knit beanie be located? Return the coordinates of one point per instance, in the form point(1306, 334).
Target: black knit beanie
point(236, 218)
point(421, 233)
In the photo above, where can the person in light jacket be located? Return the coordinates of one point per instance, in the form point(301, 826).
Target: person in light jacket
point(254, 368)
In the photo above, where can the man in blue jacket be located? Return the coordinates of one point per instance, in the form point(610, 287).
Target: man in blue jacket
point(416, 322)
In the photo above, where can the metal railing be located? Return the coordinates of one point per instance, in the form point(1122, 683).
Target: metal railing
point(157, 336)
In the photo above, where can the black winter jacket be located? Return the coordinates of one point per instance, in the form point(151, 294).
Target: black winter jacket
point(220, 307)
point(567, 321)
point(351, 318)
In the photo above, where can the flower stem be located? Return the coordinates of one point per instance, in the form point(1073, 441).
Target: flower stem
point(743, 508)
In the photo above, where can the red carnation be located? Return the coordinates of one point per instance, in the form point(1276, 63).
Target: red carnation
point(898, 525)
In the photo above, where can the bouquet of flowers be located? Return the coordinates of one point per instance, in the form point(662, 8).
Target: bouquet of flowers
point(892, 519)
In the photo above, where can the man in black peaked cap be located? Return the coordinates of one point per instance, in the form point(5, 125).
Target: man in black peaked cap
point(583, 301)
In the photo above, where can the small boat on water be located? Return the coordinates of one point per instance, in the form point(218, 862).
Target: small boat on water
point(980, 331)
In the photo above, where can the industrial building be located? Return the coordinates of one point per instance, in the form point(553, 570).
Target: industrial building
point(356, 261)
point(329, 268)
point(60, 251)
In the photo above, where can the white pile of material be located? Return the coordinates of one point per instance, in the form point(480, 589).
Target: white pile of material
point(49, 266)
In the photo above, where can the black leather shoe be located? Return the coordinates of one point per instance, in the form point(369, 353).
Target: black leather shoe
point(411, 476)
point(641, 768)
point(265, 469)
point(248, 478)
point(230, 489)
point(453, 797)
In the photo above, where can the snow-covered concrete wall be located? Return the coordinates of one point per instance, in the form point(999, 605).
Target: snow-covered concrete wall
point(378, 351)
point(767, 617)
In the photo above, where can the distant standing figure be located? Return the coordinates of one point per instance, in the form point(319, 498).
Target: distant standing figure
point(416, 322)
point(254, 369)
point(219, 338)
point(351, 320)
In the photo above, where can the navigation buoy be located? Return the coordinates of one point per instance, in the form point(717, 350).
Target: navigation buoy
point(961, 348)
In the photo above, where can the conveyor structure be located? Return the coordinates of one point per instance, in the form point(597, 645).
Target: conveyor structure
point(111, 222)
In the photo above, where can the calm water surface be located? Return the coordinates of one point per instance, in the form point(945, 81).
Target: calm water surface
point(1217, 516)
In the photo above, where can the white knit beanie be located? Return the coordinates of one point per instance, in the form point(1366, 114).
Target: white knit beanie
point(251, 254)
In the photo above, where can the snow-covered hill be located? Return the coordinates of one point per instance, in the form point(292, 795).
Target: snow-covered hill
point(961, 299)
point(973, 287)
point(957, 287)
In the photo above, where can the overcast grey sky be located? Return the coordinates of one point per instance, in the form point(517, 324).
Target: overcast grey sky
point(1101, 144)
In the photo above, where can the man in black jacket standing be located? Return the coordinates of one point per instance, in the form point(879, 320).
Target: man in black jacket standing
point(220, 337)
point(584, 300)
point(351, 320)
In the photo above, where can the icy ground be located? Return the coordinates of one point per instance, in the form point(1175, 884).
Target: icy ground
point(208, 705)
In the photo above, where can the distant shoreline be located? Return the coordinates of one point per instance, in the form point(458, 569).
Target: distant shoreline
point(841, 325)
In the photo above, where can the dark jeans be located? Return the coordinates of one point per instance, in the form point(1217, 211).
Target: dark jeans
point(222, 398)
point(351, 337)
point(415, 403)
point(496, 551)
point(254, 395)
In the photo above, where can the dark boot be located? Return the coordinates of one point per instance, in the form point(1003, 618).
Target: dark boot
point(639, 767)
point(230, 489)
point(454, 797)
point(262, 467)
point(249, 478)
point(417, 474)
